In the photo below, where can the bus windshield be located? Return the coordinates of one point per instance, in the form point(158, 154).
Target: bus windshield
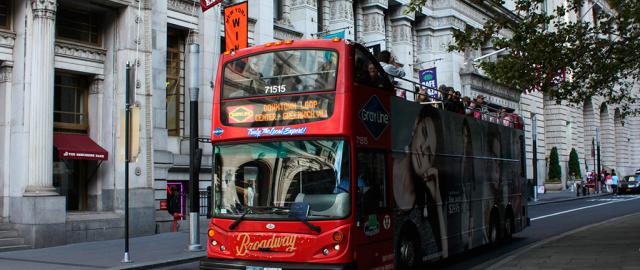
point(280, 72)
point(263, 180)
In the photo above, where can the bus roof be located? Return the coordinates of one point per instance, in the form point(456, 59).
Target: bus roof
point(335, 43)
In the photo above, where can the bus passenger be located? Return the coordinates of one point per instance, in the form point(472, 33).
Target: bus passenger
point(421, 94)
point(388, 63)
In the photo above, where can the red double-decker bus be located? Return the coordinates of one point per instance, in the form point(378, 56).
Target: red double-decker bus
point(318, 165)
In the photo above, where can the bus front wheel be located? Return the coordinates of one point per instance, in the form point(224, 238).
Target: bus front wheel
point(408, 250)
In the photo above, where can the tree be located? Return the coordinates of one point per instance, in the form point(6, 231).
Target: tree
point(574, 163)
point(555, 171)
point(568, 60)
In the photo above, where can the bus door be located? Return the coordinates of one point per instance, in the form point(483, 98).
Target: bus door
point(374, 232)
point(371, 93)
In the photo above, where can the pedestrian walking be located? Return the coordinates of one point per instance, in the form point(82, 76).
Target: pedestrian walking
point(614, 181)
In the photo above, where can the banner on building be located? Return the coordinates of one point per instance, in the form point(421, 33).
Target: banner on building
point(333, 35)
point(207, 4)
point(235, 26)
point(429, 79)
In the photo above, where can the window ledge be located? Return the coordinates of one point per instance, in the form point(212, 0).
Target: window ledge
point(80, 51)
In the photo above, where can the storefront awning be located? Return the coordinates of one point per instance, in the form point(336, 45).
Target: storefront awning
point(78, 146)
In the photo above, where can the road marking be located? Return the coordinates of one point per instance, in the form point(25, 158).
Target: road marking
point(581, 208)
point(615, 198)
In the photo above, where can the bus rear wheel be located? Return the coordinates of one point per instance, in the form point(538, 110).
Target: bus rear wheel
point(494, 233)
point(508, 227)
point(408, 250)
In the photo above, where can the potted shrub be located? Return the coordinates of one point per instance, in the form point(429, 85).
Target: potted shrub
point(553, 180)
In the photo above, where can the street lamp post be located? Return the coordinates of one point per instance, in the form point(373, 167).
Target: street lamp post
point(195, 153)
point(534, 136)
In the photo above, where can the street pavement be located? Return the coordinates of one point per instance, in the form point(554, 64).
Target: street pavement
point(612, 244)
point(606, 245)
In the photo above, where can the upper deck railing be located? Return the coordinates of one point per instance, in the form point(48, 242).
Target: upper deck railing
point(483, 112)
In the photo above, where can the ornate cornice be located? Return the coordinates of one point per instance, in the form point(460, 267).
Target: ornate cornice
point(383, 4)
point(399, 14)
point(487, 86)
point(437, 23)
point(188, 7)
point(79, 51)
point(298, 3)
point(281, 32)
point(7, 39)
point(44, 8)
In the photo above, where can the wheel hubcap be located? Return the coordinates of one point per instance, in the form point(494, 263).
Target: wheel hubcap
point(494, 234)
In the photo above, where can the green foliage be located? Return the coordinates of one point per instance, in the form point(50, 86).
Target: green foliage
point(601, 59)
point(554, 165)
point(574, 163)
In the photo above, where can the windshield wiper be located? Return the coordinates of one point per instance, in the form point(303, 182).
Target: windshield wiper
point(237, 221)
point(311, 226)
point(247, 210)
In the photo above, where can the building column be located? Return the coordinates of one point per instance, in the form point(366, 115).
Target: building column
point(401, 44)
point(94, 186)
point(40, 179)
point(6, 69)
point(373, 23)
point(341, 17)
point(304, 17)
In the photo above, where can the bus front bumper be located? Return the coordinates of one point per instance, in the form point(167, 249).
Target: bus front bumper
point(208, 263)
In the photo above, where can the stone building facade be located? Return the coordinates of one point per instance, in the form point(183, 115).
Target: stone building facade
point(62, 71)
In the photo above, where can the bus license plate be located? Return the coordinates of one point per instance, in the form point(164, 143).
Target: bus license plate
point(262, 268)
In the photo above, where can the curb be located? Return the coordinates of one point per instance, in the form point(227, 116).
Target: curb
point(568, 199)
point(163, 263)
point(512, 255)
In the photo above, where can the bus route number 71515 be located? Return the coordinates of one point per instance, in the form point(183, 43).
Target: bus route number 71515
point(275, 89)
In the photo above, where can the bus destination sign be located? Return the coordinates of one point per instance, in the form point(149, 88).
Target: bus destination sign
point(277, 111)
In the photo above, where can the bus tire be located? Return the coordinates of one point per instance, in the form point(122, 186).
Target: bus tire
point(508, 227)
point(408, 251)
point(494, 229)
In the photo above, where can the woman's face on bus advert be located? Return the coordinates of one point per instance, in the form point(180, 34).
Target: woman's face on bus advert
point(423, 146)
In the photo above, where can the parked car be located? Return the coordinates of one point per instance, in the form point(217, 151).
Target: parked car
point(629, 184)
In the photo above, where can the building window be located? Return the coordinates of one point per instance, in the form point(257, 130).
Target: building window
point(71, 95)
point(277, 9)
point(175, 80)
point(5, 14)
point(78, 25)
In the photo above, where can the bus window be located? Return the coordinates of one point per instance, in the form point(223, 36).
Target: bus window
point(259, 178)
point(366, 71)
point(371, 176)
point(280, 72)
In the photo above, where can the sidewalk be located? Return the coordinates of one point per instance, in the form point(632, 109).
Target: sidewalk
point(153, 250)
point(612, 244)
point(559, 196)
